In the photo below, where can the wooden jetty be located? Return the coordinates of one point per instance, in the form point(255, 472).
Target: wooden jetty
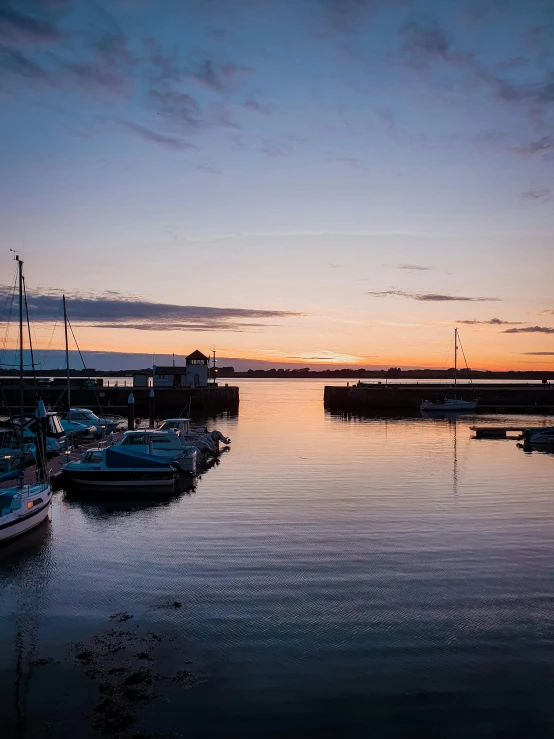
point(483, 432)
point(407, 397)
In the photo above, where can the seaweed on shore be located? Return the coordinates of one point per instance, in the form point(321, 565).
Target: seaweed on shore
point(124, 666)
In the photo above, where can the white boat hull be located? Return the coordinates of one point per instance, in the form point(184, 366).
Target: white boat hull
point(19, 522)
point(454, 405)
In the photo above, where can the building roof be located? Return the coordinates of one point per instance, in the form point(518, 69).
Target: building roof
point(196, 354)
point(160, 370)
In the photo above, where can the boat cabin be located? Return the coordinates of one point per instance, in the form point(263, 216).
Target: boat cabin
point(152, 442)
point(178, 425)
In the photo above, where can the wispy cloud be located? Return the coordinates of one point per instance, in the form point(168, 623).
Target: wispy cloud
point(530, 330)
point(537, 146)
point(543, 195)
point(253, 103)
point(118, 310)
point(426, 297)
point(167, 142)
point(413, 267)
point(539, 354)
point(493, 322)
point(19, 27)
point(352, 162)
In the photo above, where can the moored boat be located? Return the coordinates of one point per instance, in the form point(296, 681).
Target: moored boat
point(121, 469)
point(24, 506)
point(454, 404)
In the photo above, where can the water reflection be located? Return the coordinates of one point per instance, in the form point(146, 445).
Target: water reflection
point(101, 504)
point(355, 576)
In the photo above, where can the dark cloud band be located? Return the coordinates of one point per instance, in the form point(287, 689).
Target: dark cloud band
point(116, 310)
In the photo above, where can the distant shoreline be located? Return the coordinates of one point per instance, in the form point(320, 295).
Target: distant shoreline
point(225, 373)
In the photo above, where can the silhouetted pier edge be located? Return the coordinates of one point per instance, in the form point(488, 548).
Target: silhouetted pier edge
point(493, 397)
point(209, 400)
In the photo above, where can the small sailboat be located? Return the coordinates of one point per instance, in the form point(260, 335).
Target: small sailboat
point(451, 404)
point(23, 507)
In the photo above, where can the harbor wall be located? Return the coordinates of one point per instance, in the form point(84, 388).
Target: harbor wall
point(375, 398)
point(210, 400)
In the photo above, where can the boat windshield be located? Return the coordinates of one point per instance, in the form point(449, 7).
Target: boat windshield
point(134, 439)
point(93, 456)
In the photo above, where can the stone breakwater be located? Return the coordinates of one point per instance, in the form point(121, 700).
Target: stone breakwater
point(406, 398)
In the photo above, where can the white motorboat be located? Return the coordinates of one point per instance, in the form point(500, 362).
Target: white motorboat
point(454, 404)
point(23, 507)
point(77, 430)
point(103, 424)
point(207, 442)
point(540, 438)
point(162, 445)
point(116, 468)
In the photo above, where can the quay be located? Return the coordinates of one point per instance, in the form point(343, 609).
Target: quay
point(169, 401)
point(402, 398)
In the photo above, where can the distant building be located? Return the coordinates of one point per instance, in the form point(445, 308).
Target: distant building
point(197, 369)
point(193, 374)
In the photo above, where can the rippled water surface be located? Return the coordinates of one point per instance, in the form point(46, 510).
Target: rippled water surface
point(338, 577)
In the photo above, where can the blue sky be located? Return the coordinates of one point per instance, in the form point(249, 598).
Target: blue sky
point(296, 163)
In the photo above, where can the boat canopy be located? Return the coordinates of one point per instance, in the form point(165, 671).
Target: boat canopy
point(117, 457)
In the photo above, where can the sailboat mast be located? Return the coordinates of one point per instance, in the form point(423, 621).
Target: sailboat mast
point(66, 355)
point(21, 366)
point(455, 357)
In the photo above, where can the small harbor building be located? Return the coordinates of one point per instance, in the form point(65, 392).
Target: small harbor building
point(193, 374)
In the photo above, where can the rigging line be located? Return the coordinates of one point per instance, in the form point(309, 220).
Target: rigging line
point(30, 339)
point(464, 356)
point(8, 321)
point(85, 367)
point(45, 351)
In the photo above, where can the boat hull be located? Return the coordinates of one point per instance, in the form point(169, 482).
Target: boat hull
point(20, 525)
point(462, 405)
point(121, 479)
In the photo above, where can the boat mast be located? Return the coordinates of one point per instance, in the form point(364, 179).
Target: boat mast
point(21, 366)
point(66, 355)
point(455, 357)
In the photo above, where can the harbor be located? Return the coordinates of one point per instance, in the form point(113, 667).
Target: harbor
point(231, 591)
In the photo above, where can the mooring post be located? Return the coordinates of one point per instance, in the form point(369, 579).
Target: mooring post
point(131, 412)
point(151, 401)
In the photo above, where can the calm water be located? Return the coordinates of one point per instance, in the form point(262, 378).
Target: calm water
point(388, 578)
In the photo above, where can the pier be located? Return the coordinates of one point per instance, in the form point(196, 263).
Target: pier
point(169, 401)
point(403, 398)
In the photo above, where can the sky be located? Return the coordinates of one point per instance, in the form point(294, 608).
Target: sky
point(321, 182)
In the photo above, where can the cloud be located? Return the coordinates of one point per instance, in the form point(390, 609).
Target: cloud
point(539, 354)
point(351, 162)
point(539, 146)
point(219, 80)
point(543, 194)
point(117, 310)
point(274, 149)
point(167, 142)
point(412, 267)
point(18, 27)
point(493, 322)
point(530, 330)
point(426, 297)
point(252, 103)
point(180, 107)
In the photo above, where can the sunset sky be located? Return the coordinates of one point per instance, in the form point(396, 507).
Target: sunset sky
point(311, 181)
